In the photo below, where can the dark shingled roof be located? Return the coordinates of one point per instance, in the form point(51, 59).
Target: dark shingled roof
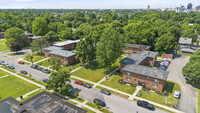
point(147, 71)
point(138, 46)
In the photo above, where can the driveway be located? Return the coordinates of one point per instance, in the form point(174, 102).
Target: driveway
point(188, 100)
point(114, 103)
point(12, 60)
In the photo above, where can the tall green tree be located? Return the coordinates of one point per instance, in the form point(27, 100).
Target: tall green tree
point(39, 44)
point(16, 35)
point(110, 47)
point(57, 82)
point(40, 27)
point(51, 36)
point(66, 34)
point(55, 62)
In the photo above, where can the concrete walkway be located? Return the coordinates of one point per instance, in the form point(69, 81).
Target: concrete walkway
point(26, 95)
point(41, 60)
point(138, 88)
point(4, 76)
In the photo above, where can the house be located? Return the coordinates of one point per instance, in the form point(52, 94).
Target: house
point(67, 57)
point(136, 69)
point(43, 102)
point(67, 45)
point(185, 45)
point(135, 48)
point(34, 37)
point(2, 34)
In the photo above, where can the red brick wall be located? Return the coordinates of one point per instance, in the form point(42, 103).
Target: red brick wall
point(2, 35)
point(122, 66)
point(167, 56)
point(70, 46)
point(142, 78)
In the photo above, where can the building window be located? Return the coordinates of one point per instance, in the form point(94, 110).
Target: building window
point(156, 80)
point(135, 75)
point(128, 73)
point(134, 80)
point(141, 78)
point(127, 51)
point(64, 58)
point(147, 83)
point(147, 78)
point(155, 86)
point(127, 78)
point(64, 62)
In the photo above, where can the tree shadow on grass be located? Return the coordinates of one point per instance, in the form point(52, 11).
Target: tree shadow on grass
point(169, 87)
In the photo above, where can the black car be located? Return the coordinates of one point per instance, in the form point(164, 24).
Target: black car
point(45, 71)
point(11, 67)
point(45, 80)
point(145, 104)
point(105, 92)
point(1, 62)
point(101, 103)
point(87, 85)
point(39, 68)
point(34, 66)
point(24, 72)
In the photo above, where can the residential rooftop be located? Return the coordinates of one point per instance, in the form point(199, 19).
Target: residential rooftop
point(138, 46)
point(184, 40)
point(137, 58)
point(66, 43)
point(43, 102)
point(146, 71)
point(36, 37)
point(2, 32)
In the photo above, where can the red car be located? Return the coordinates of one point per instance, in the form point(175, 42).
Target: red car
point(78, 82)
point(21, 62)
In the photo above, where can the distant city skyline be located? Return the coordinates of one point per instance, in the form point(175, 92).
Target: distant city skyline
point(94, 4)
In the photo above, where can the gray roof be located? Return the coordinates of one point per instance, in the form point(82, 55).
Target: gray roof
point(137, 58)
point(184, 40)
point(147, 71)
point(2, 32)
point(36, 37)
point(66, 43)
point(188, 50)
point(138, 46)
point(59, 51)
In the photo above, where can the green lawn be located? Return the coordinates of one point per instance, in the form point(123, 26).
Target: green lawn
point(198, 100)
point(3, 73)
point(91, 72)
point(170, 88)
point(37, 58)
point(104, 110)
point(3, 46)
point(113, 83)
point(88, 110)
point(71, 67)
point(45, 63)
point(13, 86)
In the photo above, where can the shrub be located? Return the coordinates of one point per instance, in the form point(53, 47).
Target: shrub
point(165, 92)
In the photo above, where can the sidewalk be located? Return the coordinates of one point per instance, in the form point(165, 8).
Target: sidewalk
point(24, 96)
point(4, 76)
point(138, 88)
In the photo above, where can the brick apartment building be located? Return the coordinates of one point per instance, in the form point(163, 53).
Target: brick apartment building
point(67, 45)
point(136, 69)
point(135, 48)
point(62, 50)
point(1, 34)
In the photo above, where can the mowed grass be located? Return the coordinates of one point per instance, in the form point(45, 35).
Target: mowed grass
point(3, 46)
point(198, 100)
point(170, 88)
point(45, 63)
point(113, 83)
point(91, 72)
point(71, 67)
point(13, 86)
point(3, 73)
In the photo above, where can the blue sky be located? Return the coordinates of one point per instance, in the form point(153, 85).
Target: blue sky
point(94, 4)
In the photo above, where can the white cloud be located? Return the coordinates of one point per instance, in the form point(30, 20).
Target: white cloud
point(24, 0)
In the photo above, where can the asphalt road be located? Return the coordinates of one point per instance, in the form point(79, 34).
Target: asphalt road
point(114, 103)
point(188, 100)
point(12, 60)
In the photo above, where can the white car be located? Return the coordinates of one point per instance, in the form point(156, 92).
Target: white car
point(177, 94)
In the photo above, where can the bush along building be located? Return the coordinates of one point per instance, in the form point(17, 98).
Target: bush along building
point(137, 69)
point(63, 50)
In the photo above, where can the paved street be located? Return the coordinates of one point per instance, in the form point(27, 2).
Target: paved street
point(114, 103)
point(188, 100)
point(12, 60)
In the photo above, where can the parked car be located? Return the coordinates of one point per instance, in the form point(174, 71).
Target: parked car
point(7, 65)
point(39, 68)
point(11, 67)
point(87, 85)
point(78, 82)
point(101, 103)
point(45, 71)
point(34, 66)
point(145, 104)
point(24, 72)
point(1, 62)
point(20, 62)
point(104, 91)
point(45, 80)
point(177, 94)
